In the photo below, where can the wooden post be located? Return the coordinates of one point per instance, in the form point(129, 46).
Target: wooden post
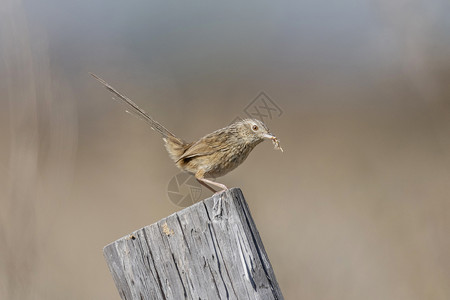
point(210, 250)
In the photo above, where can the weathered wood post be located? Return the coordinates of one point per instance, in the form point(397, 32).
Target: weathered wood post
point(210, 250)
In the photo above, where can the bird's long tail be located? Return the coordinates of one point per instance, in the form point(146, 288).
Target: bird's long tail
point(137, 111)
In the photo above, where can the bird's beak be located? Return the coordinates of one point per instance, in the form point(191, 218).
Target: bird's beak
point(269, 136)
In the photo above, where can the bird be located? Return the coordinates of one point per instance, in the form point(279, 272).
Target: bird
point(213, 155)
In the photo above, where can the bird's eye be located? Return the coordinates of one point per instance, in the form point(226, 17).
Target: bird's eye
point(255, 127)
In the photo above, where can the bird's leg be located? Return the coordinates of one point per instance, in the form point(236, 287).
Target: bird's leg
point(200, 177)
point(207, 186)
point(222, 186)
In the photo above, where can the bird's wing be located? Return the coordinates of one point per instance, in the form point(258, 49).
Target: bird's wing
point(204, 146)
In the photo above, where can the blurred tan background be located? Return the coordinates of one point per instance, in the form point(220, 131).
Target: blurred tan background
point(357, 207)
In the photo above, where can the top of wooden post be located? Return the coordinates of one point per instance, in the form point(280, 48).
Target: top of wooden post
point(210, 250)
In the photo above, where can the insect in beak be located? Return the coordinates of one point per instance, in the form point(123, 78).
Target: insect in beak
point(275, 141)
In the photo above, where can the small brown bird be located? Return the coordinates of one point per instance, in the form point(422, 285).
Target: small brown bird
point(213, 155)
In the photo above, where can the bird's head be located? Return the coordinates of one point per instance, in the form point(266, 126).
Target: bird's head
point(255, 131)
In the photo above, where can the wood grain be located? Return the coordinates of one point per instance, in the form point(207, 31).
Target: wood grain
point(210, 250)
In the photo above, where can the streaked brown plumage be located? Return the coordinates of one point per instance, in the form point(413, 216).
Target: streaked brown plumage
point(213, 155)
